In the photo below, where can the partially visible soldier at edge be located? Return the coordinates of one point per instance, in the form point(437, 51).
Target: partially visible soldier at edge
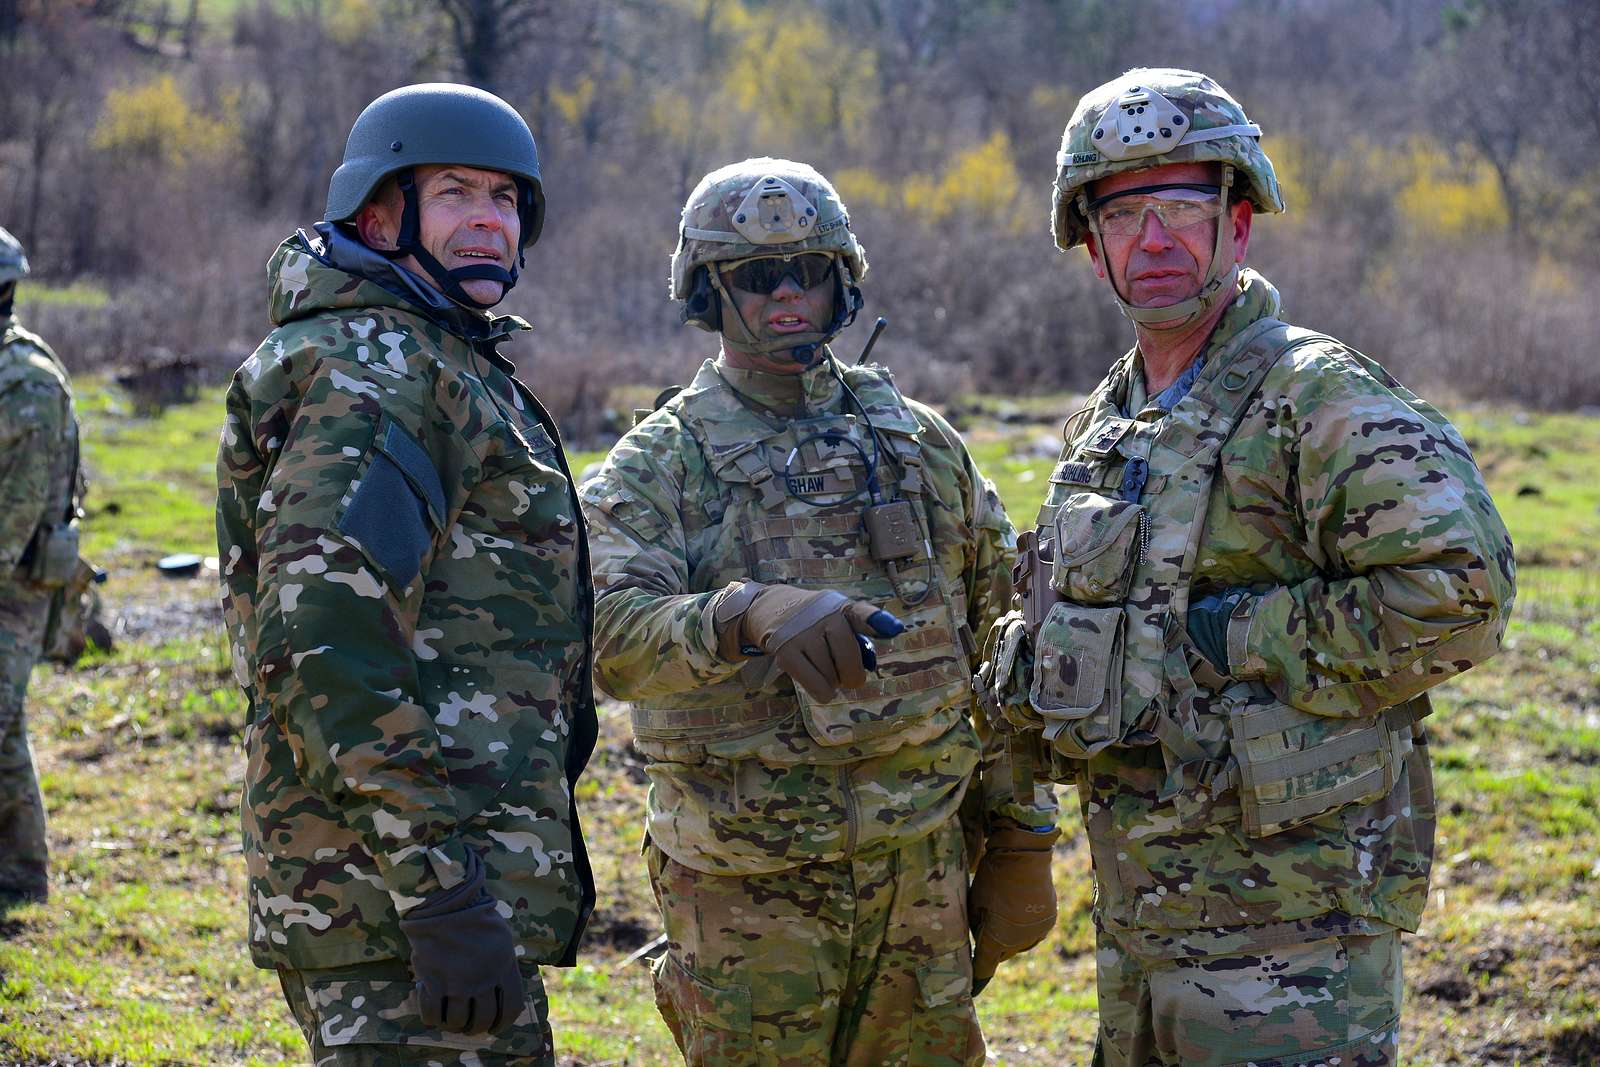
point(805, 823)
point(1258, 553)
point(407, 594)
point(40, 487)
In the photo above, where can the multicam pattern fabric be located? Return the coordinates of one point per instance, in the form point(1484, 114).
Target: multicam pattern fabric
point(406, 592)
point(714, 206)
point(1354, 511)
point(1315, 1002)
point(857, 963)
point(355, 1019)
point(744, 779)
point(38, 449)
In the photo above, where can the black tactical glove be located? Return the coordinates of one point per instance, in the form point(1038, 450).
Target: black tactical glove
point(464, 958)
point(1208, 625)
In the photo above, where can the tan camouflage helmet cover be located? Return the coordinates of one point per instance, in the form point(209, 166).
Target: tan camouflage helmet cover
point(13, 261)
point(1148, 117)
point(762, 207)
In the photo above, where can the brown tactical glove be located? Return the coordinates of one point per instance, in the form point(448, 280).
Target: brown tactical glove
point(1012, 904)
point(811, 634)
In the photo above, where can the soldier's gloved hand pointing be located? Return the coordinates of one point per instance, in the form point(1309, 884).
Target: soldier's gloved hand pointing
point(1012, 903)
point(463, 956)
point(810, 633)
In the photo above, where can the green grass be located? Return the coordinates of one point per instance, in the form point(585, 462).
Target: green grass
point(140, 956)
point(82, 295)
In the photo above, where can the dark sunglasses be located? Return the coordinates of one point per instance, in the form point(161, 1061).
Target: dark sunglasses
point(763, 275)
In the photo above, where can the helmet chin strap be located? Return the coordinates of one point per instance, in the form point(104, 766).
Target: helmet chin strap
point(409, 243)
point(804, 348)
point(1212, 288)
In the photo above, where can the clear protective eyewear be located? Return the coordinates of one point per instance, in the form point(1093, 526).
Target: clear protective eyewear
point(764, 274)
point(1177, 205)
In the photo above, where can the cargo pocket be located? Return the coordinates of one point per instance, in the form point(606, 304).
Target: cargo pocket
point(710, 1023)
point(397, 507)
point(945, 1019)
point(1097, 548)
point(1294, 766)
point(349, 1012)
point(1077, 675)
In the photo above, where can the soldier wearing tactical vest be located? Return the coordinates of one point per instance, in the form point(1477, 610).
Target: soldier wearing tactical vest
point(406, 587)
point(1258, 553)
point(791, 560)
point(40, 486)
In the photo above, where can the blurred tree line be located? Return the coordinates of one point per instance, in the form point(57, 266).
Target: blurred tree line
point(1441, 159)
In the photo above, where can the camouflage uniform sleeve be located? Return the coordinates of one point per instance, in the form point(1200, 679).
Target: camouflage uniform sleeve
point(1417, 576)
point(335, 661)
point(652, 631)
point(30, 434)
point(988, 590)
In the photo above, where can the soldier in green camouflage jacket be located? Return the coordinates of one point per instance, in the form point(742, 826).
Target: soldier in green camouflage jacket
point(751, 536)
point(1258, 553)
point(406, 590)
point(39, 492)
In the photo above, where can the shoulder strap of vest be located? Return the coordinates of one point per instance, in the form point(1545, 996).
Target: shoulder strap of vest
point(729, 437)
point(894, 420)
point(1228, 388)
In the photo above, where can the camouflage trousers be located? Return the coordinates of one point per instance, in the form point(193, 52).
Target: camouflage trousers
point(1334, 1002)
point(857, 963)
point(366, 1016)
point(23, 851)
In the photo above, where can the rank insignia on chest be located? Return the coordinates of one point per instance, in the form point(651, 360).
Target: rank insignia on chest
point(1104, 437)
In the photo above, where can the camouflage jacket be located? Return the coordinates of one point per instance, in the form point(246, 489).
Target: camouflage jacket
point(405, 586)
point(747, 774)
point(39, 479)
point(1354, 513)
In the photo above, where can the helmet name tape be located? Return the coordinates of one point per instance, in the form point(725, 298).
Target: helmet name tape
point(774, 212)
point(1141, 122)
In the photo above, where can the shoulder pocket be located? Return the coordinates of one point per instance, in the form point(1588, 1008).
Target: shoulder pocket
point(398, 505)
point(624, 507)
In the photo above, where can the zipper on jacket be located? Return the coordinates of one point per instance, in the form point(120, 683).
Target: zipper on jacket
point(847, 790)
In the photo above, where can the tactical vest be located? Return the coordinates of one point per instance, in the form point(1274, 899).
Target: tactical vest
point(765, 532)
point(1113, 663)
point(51, 557)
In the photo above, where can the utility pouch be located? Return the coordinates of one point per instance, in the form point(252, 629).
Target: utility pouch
point(1097, 542)
point(1030, 577)
point(893, 531)
point(1293, 766)
point(1077, 675)
point(55, 555)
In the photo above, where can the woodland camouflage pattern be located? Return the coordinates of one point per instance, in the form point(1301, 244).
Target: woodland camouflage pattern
point(406, 593)
point(668, 534)
point(38, 443)
point(358, 1022)
point(1354, 511)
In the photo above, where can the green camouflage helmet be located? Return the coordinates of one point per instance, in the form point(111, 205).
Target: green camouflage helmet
point(13, 262)
point(437, 123)
point(762, 207)
point(1148, 117)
